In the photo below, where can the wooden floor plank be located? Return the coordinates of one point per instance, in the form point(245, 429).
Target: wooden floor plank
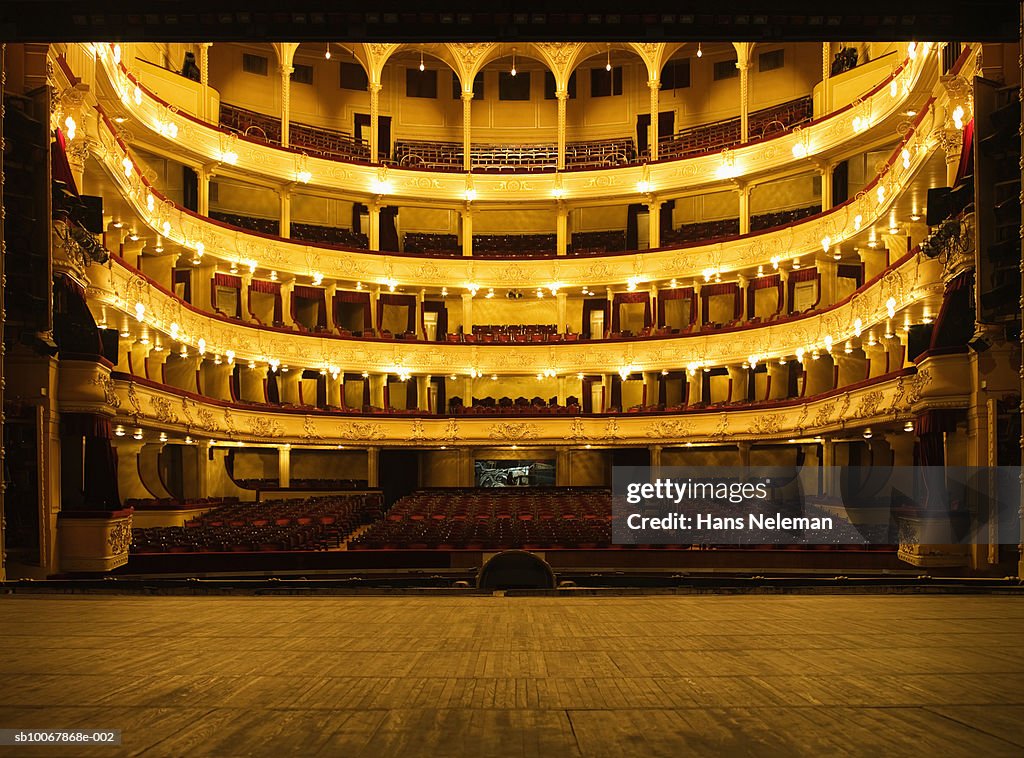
point(499, 676)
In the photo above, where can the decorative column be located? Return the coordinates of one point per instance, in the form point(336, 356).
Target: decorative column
point(562, 229)
point(652, 140)
point(561, 299)
point(286, 95)
point(784, 278)
point(653, 223)
point(204, 78)
point(655, 456)
point(826, 72)
point(467, 313)
point(829, 272)
point(826, 184)
point(284, 466)
point(285, 194)
point(951, 140)
point(562, 394)
point(374, 119)
point(423, 394)
point(374, 212)
point(562, 96)
point(203, 173)
point(743, 283)
point(744, 66)
point(467, 122)
point(651, 386)
point(373, 467)
point(744, 189)
point(467, 229)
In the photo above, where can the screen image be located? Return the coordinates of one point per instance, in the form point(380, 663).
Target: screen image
point(522, 473)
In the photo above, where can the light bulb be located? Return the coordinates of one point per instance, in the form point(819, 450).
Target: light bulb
point(700, 53)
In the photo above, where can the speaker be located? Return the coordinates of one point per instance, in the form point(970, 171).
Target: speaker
point(92, 216)
point(939, 205)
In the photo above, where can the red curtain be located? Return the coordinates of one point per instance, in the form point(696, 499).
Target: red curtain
point(312, 293)
point(269, 288)
point(676, 294)
point(624, 298)
point(710, 290)
point(59, 166)
point(966, 164)
point(803, 275)
point(360, 298)
point(762, 283)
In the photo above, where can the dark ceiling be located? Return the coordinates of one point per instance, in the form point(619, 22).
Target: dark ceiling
point(461, 20)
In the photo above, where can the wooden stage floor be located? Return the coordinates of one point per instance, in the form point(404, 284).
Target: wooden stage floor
point(785, 675)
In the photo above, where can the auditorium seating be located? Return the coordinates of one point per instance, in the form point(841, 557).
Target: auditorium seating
point(781, 218)
point(701, 230)
point(767, 122)
point(514, 245)
point(329, 143)
point(506, 406)
point(318, 523)
point(261, 225)
point(166, 503)
point(597, 242)
point(303, 484)
point(431, 244)
point(448, 156)
point(328, 235)
point(493, 519)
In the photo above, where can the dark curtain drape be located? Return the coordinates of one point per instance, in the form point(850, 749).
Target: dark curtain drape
point(314, 294)
point(389, 229)
point(184, 277)
point(724, 288)
point(358, 211)
point(624, 298)
point(632, 225)
point(590, 306)
point(853, 271)
point(409, 301)
point(803, 275)
point(411, 394)
point(59, 167)
point(273, 395)
point(966, 165)
point(366, 393)
point(74, 328)
point(840, 183)
point(616, 399)
point(99, 459)
point(361, 298)
point(762, 283)
point(954, 325)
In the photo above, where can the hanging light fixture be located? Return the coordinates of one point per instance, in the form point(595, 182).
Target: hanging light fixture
point(513, 71)
point(700, 53)
point(608, 65)
point(327, 52)
point(422, 67)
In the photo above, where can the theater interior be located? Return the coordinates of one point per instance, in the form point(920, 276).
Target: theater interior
point(327, 345)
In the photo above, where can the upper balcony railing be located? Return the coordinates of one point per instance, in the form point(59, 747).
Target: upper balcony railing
point(805, 237)
point(868, 119)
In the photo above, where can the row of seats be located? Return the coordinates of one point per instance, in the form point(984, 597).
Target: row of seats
point(317, 523)
point(330, 143)
point(303, 484)
point(781, 218)
point(537, 404)
point(448, 156)
point(700, 231)
point(424, 242)
point(597, 242)
point(330, 235)
point(498, 519)
point(511, 334)
point(154, 503)
point(768, 122)
point(517, 245)
point(262, 225)
point(481, 330)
